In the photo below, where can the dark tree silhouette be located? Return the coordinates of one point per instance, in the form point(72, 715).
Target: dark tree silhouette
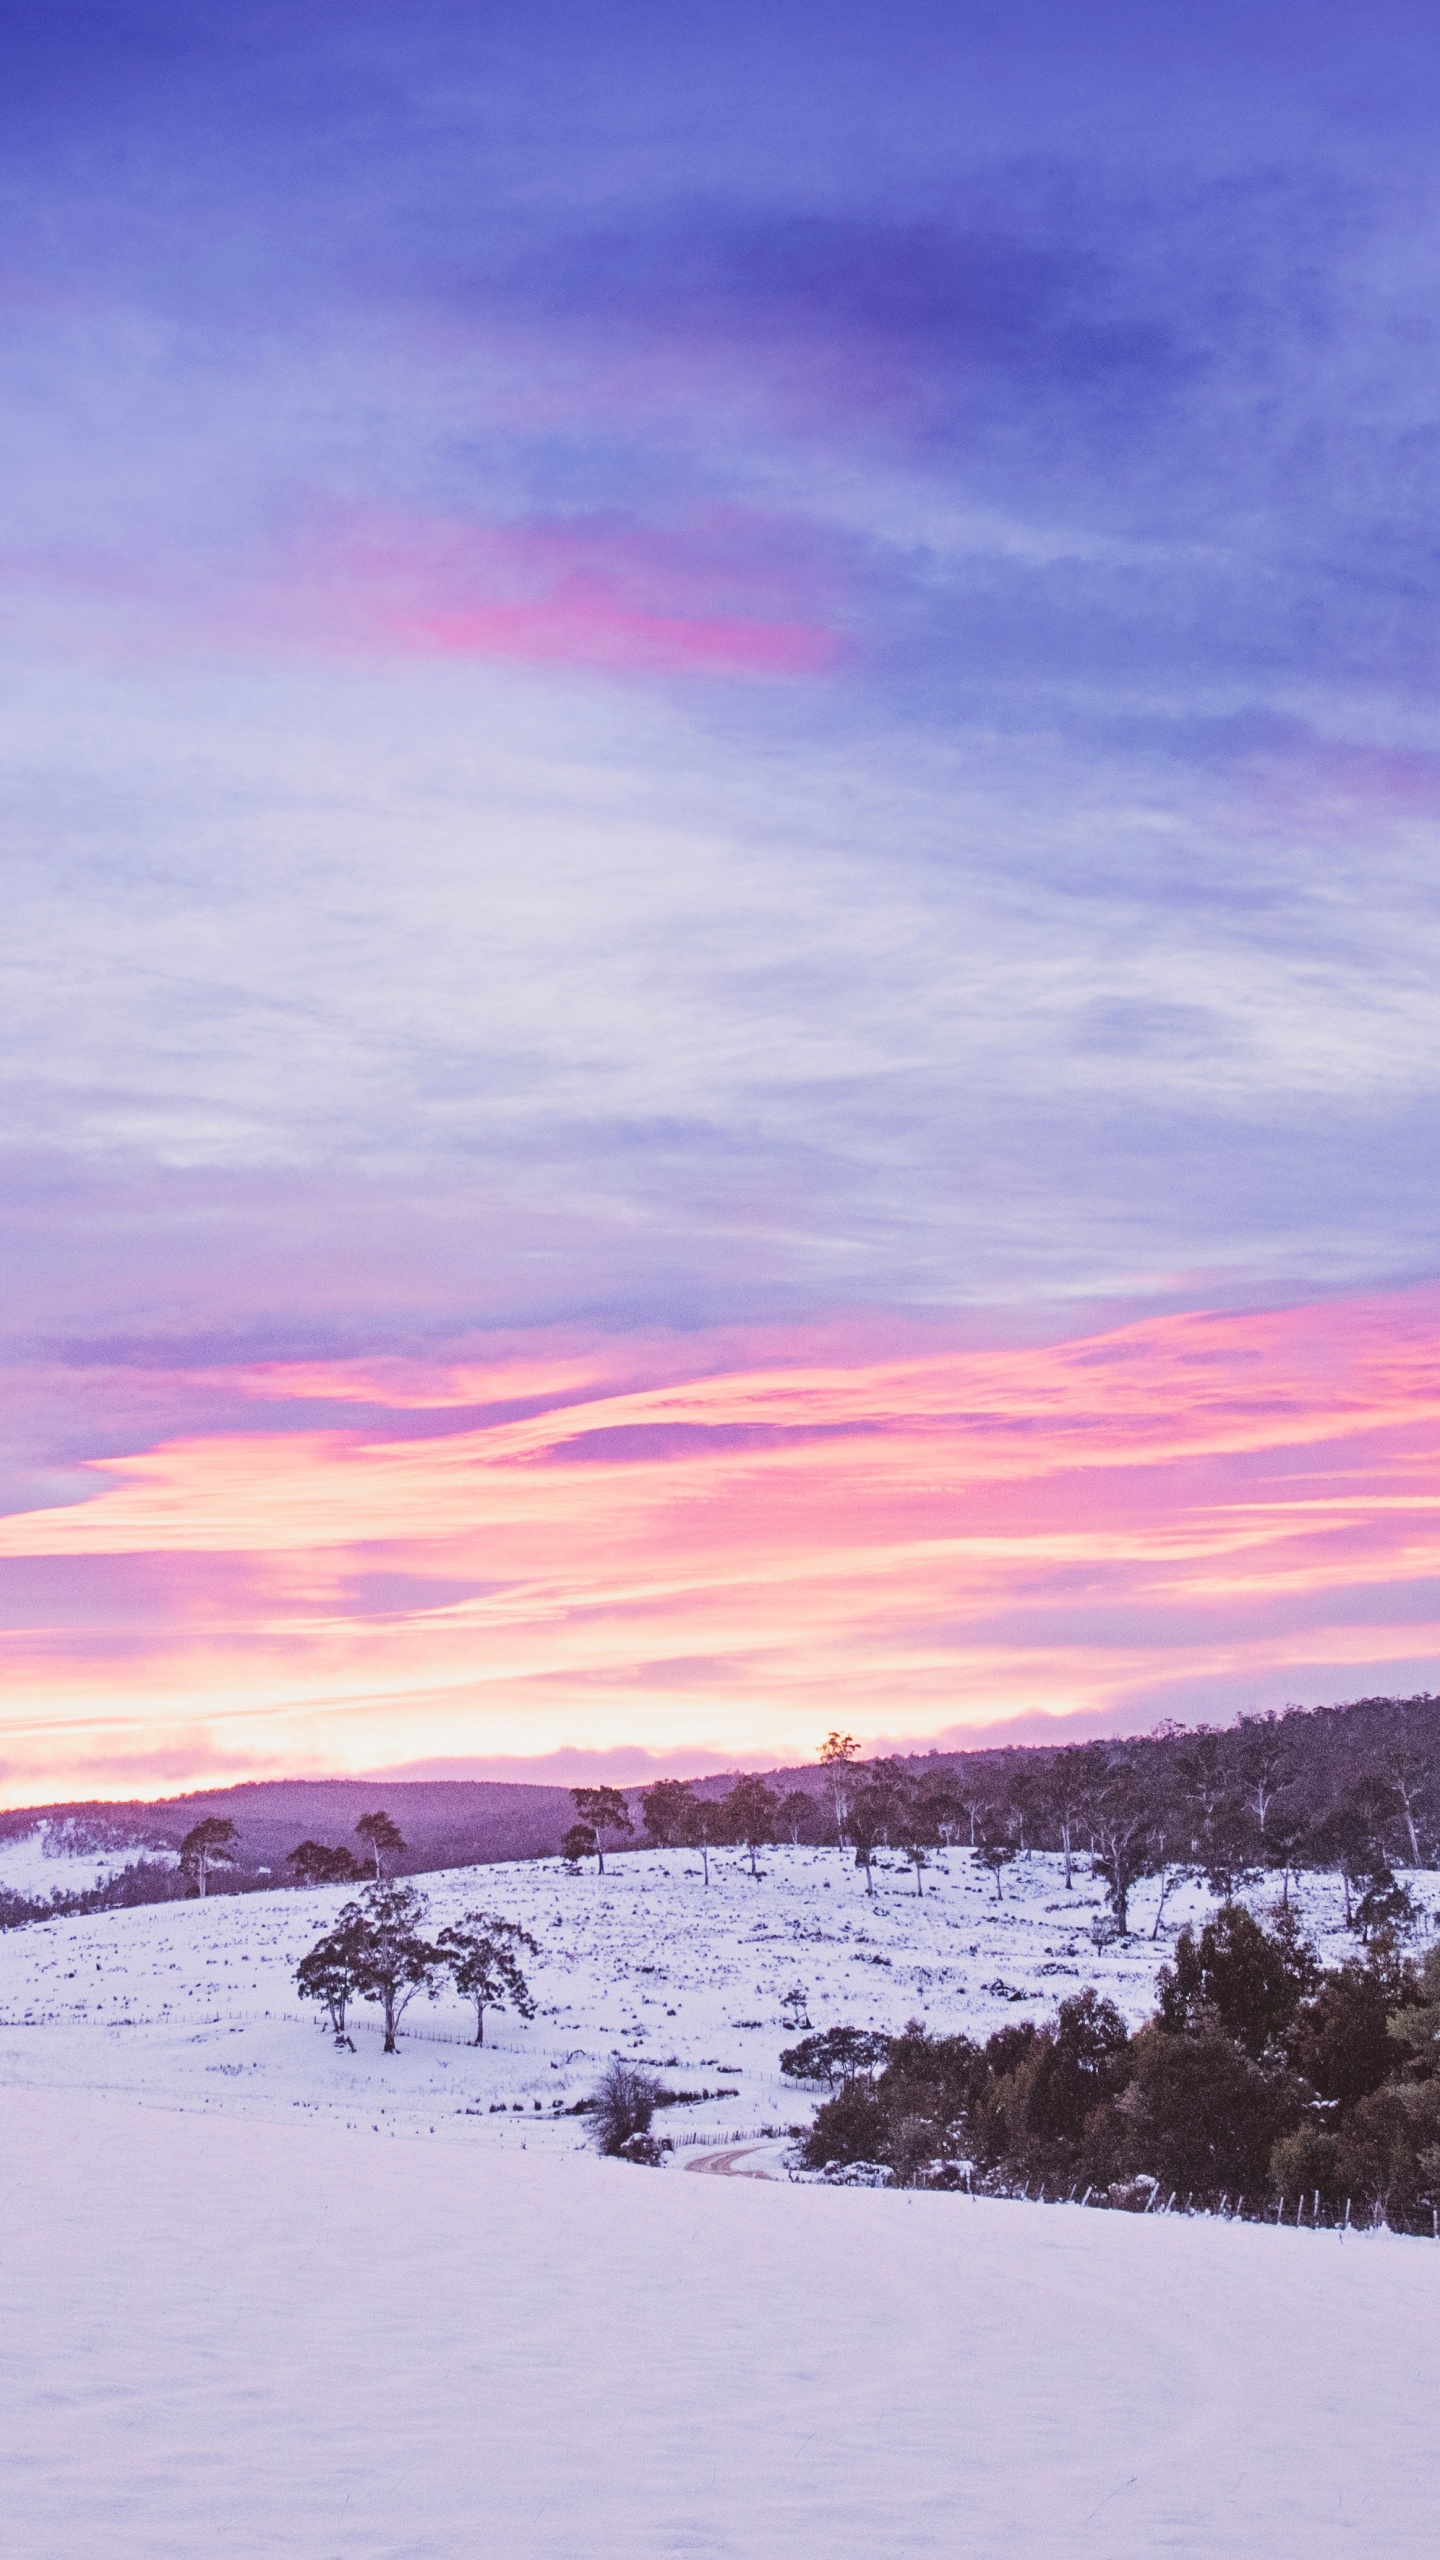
point(391, 1960)
point(604, 1809)
point(330, 1973)
point(381, 1837)
point(315, 1864)
point(579, 1842)
point(210, 1844)
point(622, 2108)
point(482, 1953)
point(749, 1812)
point(665, 1809)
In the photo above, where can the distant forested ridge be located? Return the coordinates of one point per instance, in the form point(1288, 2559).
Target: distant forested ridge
point(1353, 1789)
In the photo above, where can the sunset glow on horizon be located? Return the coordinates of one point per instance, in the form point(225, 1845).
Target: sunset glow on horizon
point(1130, 1524)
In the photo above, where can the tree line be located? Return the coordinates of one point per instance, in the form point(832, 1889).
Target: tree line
point(1355, 1791)
point(1263, 2085)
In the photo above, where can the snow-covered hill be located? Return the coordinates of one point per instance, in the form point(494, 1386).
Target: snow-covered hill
point(229, 2325)
point(285, 2342)
point(194, 2003)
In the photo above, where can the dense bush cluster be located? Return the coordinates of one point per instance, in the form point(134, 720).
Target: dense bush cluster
point(1262, 2084)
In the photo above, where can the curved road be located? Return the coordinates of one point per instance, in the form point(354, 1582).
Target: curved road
point(727, 2164)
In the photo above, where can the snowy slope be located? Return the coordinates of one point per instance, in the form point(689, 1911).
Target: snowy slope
point(285, 2342)
point(47, 1860)
point(193, 2003)
point(233, 2321)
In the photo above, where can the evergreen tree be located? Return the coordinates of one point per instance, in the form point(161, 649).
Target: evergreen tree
point(330, 1973)
point(315, 1864)
point(749, 1812)
point(665, 1809)
point(482, 1954)
point(390, 1959)
point(604, 1809)
point(579, 1842)
point(1237, 1976)
point(381, 1838)
point(210, 1844)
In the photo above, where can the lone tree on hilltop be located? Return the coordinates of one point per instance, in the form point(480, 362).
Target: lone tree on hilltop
point(315, 1864)
point(481, 1952)
point(210, 1844)
point(381, 1837)
point(749, 1812)
point(604, 1809)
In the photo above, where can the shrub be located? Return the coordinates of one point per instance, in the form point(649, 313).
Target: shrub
point(1389, 2153)
point(1246, 1980)
point(1306, 2163)
point(852, 2127)
point(838, 2054)
point(624, 2103)
point(1200, 2116)
point(1341, 2042)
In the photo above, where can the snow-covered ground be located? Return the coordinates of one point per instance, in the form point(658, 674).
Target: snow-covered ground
point(286, 2342)
point(232, 2320)
point(53, 1858)
point(194, 2003)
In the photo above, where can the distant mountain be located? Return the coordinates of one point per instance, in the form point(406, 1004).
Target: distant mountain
point(449, 1822)
point(1276, 1787)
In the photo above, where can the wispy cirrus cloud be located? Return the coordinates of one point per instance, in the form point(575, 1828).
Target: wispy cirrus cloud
point(1106, 1524)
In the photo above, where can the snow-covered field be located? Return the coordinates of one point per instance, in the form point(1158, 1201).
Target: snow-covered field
point(194, 2003)
point(50, 1860)
point(232, 2320)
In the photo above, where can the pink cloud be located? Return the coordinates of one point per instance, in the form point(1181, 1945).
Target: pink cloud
point(1333, 785)
point(726, 596)
point(736, 594)
point(741, 1556)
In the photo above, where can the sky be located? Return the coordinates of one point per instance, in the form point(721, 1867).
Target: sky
point(720, 769)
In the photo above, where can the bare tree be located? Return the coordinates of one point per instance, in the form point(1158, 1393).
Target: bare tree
point(838, 1753)
point(621, 2110)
